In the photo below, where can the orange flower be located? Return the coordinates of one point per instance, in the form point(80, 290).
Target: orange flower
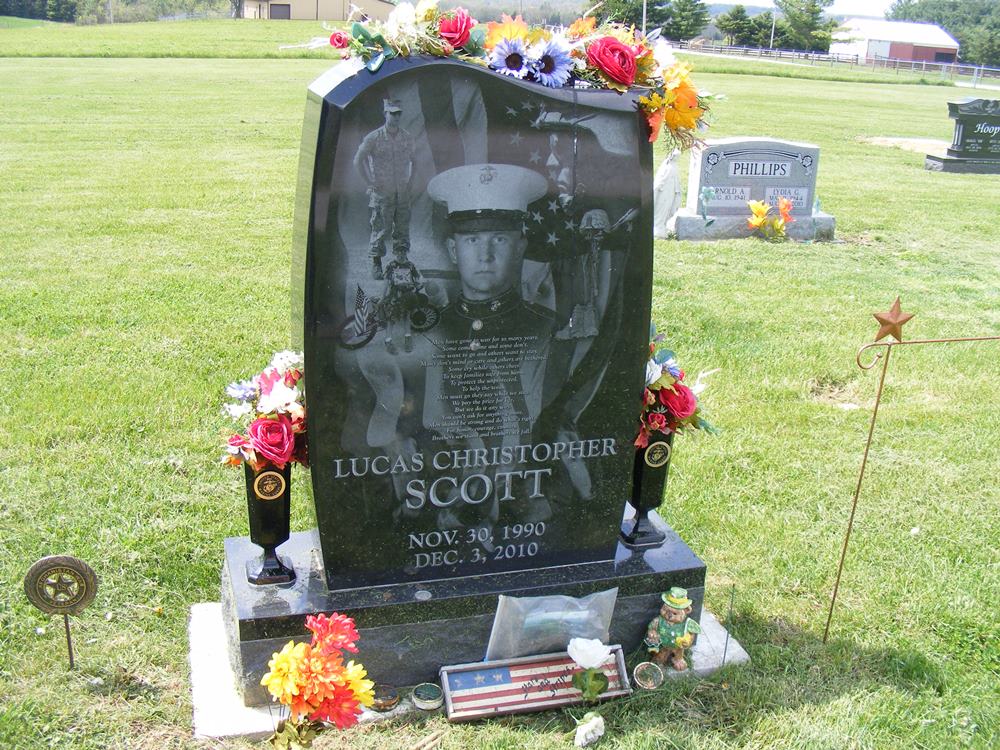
point(655, 120)
point(333, 633)
point(341, 708)
point(684, 111)
point(581, 27)
point(785, 209)
point(508, 28)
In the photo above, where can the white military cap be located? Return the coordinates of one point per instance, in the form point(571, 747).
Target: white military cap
point(487, 196)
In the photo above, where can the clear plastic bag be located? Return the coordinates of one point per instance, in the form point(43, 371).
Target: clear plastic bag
point(528, 625)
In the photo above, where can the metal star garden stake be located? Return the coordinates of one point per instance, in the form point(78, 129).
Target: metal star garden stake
point(891, 324)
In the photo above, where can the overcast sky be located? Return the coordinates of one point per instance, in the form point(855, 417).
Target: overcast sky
point(846, 7)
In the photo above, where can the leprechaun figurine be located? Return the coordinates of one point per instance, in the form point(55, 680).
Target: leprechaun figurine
point(671, 632)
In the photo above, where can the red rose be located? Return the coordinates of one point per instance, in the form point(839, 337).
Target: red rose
point(613, 58)
point(656, 420)
point(455, 28)
point(292, 377)
point(681, 401)
point(272, 439)
point(339, 40)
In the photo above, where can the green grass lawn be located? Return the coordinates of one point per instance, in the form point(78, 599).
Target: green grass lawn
point(145, 234)
point(208, 38)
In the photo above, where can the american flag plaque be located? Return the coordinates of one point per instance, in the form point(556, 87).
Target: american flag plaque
point(517, 686)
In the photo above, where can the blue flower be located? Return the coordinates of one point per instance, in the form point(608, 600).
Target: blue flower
point(551, 62)
point(510, 57)
point(243, 390)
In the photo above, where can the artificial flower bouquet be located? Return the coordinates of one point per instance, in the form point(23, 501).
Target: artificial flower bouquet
point(586, 53)
point(766, 224)
point(313, 683)
point(668, 405)
point(270, 408)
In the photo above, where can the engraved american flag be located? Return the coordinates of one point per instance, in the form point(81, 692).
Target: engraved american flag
point(362, 312)
point(531, 683)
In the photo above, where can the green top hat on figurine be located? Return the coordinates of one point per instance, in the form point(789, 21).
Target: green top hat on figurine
point(676, 598)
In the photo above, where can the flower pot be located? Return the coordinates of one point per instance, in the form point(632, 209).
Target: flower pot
point(269, 491)
point(649, 476)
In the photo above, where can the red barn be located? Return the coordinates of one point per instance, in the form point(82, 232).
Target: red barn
point(871, 40)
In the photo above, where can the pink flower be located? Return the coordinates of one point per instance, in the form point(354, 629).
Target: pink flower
point(455, 27)
point(680, 400)
point(339, 40)
point(266, 380)
point(272, 439)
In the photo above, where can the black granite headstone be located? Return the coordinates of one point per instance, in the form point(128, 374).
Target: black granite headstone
point(493, 430)
point(472, 288)
point(975, 146)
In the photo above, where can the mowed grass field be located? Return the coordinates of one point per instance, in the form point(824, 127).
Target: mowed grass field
point(145, 241)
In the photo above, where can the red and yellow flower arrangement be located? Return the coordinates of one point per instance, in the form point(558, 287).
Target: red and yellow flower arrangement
point(313, 682)
point(668, 404)
point(766, 224)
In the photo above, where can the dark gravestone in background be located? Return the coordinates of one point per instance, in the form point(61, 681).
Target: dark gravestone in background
point(503, 440)
point(529, 400)
point(975, 146)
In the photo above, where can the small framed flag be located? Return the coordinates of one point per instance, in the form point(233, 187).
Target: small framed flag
point(527, 683)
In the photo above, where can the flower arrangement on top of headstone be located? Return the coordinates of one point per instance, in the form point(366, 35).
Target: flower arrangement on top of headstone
point(669, 406)
point(270, 410)
point(607, 55)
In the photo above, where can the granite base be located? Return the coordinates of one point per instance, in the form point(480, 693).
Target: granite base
point(408, 631)
point(961, 164)
point(691, 226)
point(219, 710)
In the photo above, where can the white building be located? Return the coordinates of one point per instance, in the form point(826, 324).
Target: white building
point(871, 39)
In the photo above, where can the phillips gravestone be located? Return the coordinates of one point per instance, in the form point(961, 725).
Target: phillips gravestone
point(729, 172)
point(472, 288)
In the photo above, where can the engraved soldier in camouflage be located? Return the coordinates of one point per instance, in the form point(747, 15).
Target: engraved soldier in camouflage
point(385, 161)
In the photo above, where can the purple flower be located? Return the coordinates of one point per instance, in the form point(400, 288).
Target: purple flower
point(510, 57)
point(243, 390)
point(551, 62)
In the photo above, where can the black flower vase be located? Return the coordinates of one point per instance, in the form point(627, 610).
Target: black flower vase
point(269, 491)
point(649, 476)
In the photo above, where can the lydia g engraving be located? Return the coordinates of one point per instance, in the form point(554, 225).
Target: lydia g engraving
point(482, 382)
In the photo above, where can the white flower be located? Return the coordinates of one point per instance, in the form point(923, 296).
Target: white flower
point(402, 20)
point(588, 653)
point(282, 361)
point(653, 372)
point(278, 400)
point(590, 730)
point(663, 54)
point(235, 411)
point(426, 10)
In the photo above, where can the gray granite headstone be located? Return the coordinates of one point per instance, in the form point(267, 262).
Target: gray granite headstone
point(729, 172)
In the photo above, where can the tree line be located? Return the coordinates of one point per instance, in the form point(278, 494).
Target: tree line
point(107, 11)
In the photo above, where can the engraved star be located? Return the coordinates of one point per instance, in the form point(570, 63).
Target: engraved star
point(524, 228)
point(553, 206)
point(552, 239)
point(571, 225)
point(480, 679)
point(526, 105)
point(891, 323)
point(515, 140)
point(511, 111)
point(535, 157)
point(553, 174)
point(536, 216)
point(63, 587)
